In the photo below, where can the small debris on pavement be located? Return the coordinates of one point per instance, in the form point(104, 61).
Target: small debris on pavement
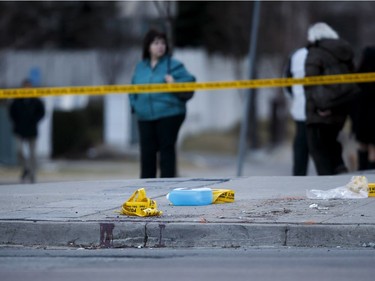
point(369, 245)
point(316, 206)
point(203, 220)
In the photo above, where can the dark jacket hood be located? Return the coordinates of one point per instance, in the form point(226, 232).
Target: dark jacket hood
point(339, 48)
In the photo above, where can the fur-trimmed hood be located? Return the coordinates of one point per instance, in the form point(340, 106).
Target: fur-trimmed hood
point(319, 31)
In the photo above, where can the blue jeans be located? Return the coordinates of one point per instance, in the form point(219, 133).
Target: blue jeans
point(26, 157)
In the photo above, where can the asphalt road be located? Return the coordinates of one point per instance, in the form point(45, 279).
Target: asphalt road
point(187, 264)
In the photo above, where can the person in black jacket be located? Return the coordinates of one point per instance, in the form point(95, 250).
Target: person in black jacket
point(325, 121)
point(364, 116)
point(25, 114)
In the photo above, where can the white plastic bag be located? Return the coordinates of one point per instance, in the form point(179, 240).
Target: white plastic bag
point(357, 188)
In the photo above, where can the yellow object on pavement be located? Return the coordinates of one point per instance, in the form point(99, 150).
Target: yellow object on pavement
point(139, 205)
point(220, 196)
point(371, 189)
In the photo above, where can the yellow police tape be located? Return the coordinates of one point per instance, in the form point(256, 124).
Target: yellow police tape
point(185, 87)
point(139, 205)
point(220, 196)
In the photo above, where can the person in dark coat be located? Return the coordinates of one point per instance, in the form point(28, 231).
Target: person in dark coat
point(364, 116)
point(25, 114)
point(324, 123)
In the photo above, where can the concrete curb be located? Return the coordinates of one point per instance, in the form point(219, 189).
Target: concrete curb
point(268, 211)
point(182, 235)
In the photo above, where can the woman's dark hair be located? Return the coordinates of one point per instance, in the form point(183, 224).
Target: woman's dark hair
point(150, 36)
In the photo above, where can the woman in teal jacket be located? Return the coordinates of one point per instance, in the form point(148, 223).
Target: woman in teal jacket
point(160, 115)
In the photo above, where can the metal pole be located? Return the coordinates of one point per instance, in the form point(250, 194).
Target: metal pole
point(245, 120)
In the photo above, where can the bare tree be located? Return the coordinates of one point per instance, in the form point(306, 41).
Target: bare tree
point(165, 10)
point(54, 24)
point(111, 63)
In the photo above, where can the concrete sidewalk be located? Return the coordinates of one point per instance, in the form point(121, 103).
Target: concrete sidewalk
point(268, 211)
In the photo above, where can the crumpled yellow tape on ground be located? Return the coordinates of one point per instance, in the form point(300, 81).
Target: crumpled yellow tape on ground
point(139, 205)
point(220, 196)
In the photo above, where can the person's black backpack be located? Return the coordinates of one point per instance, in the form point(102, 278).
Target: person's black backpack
point(336, 95)
point(183, 96)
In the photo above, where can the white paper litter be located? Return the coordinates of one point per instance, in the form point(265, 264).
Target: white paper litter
point(355, 189)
